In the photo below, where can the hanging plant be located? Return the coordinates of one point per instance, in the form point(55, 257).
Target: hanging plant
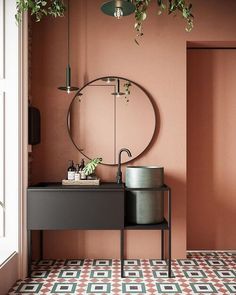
point(39, 8)
point(172, 6)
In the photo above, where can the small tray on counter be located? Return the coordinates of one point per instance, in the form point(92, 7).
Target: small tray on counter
point(81, 182)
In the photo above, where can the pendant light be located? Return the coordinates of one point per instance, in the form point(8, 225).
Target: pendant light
point(117, 92)
point(68, 88)
point(118, 8)
point(108, 80)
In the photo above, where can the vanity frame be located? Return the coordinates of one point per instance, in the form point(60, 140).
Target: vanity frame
point(52, 206)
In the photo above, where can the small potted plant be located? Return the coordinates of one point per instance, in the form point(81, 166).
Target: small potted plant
point(90, 167)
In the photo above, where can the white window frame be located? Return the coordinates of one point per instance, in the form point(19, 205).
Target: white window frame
point(9, 89)
point(2, 120)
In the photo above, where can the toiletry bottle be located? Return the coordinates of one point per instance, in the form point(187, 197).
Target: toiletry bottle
point(81, 169)
point(71, 171)
point(77, 173)
point(81, 165)
point(83, 175)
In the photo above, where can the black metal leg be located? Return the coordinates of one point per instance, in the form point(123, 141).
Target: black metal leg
point(29, 242)
point(169, 261)
point(122, 253)
point(41, 244)
point(169, 234)
point(162, 244)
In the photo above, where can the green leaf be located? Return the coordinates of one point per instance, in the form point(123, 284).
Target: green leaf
point(143, 16)
point(91, 166)
point(39, 8)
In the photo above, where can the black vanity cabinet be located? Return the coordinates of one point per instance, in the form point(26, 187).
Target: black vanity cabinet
point(55, 207)
point(52, 206)
point(58, 207)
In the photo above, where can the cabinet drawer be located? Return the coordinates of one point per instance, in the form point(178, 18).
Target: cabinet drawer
point(75, 209)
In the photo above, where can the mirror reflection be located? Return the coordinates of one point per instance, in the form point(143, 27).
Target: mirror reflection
point(108, 114)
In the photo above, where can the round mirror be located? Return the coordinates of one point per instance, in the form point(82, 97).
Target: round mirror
point(108, 114)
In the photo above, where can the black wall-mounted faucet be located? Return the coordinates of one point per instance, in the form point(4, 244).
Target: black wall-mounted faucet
point(119, 173)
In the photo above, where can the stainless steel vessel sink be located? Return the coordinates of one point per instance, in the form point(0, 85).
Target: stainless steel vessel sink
point(144, 176)
point(144, 207)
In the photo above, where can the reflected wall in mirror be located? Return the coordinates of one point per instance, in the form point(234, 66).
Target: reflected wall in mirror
point(112, 113)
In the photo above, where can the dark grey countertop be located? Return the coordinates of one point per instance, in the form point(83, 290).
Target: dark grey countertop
point(59, 186)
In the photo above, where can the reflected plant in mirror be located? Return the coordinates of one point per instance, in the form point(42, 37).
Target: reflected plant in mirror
point(127, 86)
point(101, 122)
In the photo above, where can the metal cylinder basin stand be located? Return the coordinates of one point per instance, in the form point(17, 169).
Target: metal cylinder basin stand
point(163, 226)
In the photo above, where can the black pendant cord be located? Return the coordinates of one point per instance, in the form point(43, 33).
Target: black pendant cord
point(68, 86)
point(68, 32)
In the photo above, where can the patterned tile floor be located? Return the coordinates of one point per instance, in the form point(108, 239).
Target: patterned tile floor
point(201, 273)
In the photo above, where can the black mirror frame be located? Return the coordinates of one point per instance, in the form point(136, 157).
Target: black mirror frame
point(113, 77)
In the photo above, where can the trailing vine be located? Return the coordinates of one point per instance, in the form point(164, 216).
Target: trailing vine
point(127, 86)
point(39, 8)
point(172, 6)
point(55, 8)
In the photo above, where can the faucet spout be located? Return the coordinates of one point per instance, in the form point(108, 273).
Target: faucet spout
point(119, 172)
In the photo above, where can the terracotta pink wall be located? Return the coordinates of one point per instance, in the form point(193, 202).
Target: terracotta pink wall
point(211, 149)
point(102, 46)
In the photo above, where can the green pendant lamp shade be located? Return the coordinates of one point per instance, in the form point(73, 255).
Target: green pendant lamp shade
point(68, 88)
point(118, 8)
point(108, 80)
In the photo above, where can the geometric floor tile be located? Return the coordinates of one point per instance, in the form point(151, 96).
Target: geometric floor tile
point(29, 288)
point(98, 288)
point(102, 262)
point(225, 274)
point(68, 274)
point(133, 288)
point(40, 274)
point(100, 274)
point(215, 262)
point(203, 288)
point(161, 274)
point(231, 287)
point(194, 274)
point(64, 288)
point(132, 262)
point(185, 262)
point(168, 288)
point(200, 273)
point(209, 254)
point(157, 262)
point(133, 274)
point(74, 262)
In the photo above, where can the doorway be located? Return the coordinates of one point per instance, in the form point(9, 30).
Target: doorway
point(211, 148)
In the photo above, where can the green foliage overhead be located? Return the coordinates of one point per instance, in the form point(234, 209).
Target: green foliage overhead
point(172, 6)
point(91, 166)
point(40, 8)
